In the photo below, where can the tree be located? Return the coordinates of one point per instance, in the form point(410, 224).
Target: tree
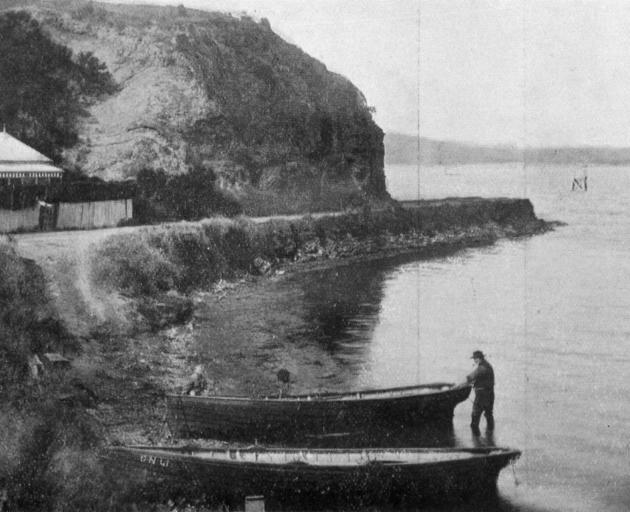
point(93, 77)
point(43, 91)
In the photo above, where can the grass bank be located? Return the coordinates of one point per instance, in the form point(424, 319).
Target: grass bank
point(189, 256)
point(47, 439)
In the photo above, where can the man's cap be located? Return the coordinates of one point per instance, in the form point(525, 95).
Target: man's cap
point(477, 354)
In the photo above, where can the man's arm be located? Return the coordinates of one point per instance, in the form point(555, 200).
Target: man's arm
point(470, 378)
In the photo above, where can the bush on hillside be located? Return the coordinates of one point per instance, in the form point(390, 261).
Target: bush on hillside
point(51, 456)
point(22, 283)
point(23, 301)
point(128, 262)
point(28, 325)
point(190, 196)
point(182, 256)
point(235, 245)
point(276, 239)
point(194, 195)
point(196, 255)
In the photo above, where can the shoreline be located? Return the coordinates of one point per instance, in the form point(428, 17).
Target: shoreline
point(161, 361)
point(421, 248)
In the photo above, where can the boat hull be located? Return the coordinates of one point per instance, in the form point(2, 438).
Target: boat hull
point(365, 418)
point(176, 473)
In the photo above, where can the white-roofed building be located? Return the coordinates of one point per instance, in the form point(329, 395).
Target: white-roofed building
point(26, 176)
point(21, 162)
point(30, 199)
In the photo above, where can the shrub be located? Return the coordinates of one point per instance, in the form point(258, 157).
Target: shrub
point(189, 196)
point(21, 281)
point(197, 257)
point(274, 240)
point(182, 256)
point(237, 248)
point(128, 262)
point(27, 323)
point(51, 459)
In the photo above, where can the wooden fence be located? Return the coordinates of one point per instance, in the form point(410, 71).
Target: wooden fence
point(26, 219)
point(95, 214)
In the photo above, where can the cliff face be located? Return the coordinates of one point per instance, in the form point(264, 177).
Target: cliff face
point(208, 89)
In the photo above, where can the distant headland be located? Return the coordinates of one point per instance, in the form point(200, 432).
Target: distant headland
point(405, 149)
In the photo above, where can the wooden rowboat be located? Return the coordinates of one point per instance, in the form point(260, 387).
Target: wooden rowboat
point(311, 478)
point(298, 419)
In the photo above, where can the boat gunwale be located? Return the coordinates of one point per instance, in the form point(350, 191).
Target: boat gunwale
point(264, 449)
point(177, 453)
point(348, 396)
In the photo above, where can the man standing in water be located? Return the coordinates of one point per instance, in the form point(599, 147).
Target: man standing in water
point(482, 380)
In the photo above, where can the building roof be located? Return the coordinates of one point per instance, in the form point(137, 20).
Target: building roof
point(12, 150)
point(17, 160)
point(29, 171)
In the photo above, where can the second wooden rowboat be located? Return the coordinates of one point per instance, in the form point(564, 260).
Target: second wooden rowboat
point(312, 478)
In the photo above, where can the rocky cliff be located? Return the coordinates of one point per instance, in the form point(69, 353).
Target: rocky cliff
point(208, 89)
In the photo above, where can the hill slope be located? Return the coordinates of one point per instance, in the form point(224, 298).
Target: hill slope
point(207, 89)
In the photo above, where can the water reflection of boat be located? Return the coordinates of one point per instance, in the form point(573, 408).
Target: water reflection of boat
point(310, 478)
point(317, 417)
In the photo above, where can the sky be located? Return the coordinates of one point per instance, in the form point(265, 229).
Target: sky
point(520, 72)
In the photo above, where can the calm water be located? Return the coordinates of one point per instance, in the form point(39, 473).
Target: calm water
point(551, 312)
